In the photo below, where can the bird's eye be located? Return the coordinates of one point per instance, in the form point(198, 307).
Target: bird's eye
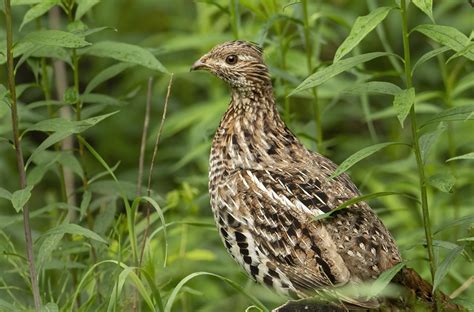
point(231, 59)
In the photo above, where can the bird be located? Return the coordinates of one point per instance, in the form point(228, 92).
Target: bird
point(266, 190)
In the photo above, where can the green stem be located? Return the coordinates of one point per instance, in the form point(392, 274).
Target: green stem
point(234, 16)
point(314, 91)
point(416, 148)
point(19, 155)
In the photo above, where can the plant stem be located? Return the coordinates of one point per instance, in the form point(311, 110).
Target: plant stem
point(19, 156)
point(309, 63)
point(416, 147)
point(234, 17)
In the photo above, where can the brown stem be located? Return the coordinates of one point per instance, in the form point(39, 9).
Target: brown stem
point(19, 156)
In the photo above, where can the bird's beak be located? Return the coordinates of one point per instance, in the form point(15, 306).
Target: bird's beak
point(198, 65)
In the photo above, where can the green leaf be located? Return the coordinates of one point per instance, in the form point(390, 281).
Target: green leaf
point(125, 52)
point(50, 307)
point(385, 278)
point(24, 2)
point(448, 36)
point(70, 228)
point(83, 6)
point(327, 73)
point(427, 140)
point(49, 244)
point(56, 38)
point(362, 26)
point(106, 74)
point(462, 113)
point(445, 265)
point(381, 87)
point(402, 102)
point(21, 197)
point(356, 200)
point(86, 200)
point(38, 10)
point(358, 156)
point(427, 56)
point(457, 222)
point(5, 194)
point(465, 156)
point(426, 6)
point(442, 181)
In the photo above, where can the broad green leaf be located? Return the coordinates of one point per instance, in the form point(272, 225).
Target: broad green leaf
point(50, 307)
point(426, 6)
point(49, 244)
point(460, 113)
point(5, 194)
point(442, 181)
point(36, 174)
point(402, 102)
point(374, 87)
point(70, 228)
point(385, 278)
point(105, 75)
point(83, 6)
point(465, 156)
point(466, 83)
point(448, 36)
point(70, 161)
point(50, 140)
point(445, 265)
point(86, 200)
point(427, 140)
point(356, 200)
point(38, 10)
point(362, 26)
point(125, 52)
point(21, 197)
point(427, 56)
point(358, 156)
point(327, 73)
point(56, 38)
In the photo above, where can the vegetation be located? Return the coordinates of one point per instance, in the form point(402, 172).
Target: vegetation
point(119, 223)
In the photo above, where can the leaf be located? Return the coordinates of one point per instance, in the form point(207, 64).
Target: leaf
point(465, 156)
point(426, 6)
point(427, 56)
point(21, 197)
point(125, 52)
point(356, 200)
point(38, 10)
point(448, 36)
point(428, 139)
point(442, 181)
point(50, 307)
point(75, 229)
point(385, 278)
point(5, 194)
point(464, 112)
point(444, 266)
point(49, 244)
point(83, 6)
point(24, 2)
point(467, 219)
point(402, 102)
point(358, 156)
point(86, 200)
point(374, 87)
point(105, 75)
point(56, 38)
point(327, 73)
point(362, 26)
point(50, 140)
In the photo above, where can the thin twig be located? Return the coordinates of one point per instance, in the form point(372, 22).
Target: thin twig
point(462, 288)
point(19, 156)
point(144, 136)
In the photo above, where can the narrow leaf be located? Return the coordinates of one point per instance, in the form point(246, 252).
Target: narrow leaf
point(381, 87)
point(86, 200)
point(106, 74)
point(125, 52)
point(427, 140)
point(21, 197)
point(36, 11)
point(457, 222)
point(327, 73)
point(462, 113)
point(448, 36)
point(83, 6)
point(358, 156)
point(403, 102)
point(426, 6)
point(385, 278)
point(5, 194)
point(56, 38)
point(75, 229)
point(49, 244)
point(465, 156)
point(427, 56)
point(442, 181)
point(362, 26)
point(445, 265)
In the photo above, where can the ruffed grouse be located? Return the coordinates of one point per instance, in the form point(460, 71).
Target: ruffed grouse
point(266, 188)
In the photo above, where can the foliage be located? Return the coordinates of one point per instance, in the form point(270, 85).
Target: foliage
point(346, 84)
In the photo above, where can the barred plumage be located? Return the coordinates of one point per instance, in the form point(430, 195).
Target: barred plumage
point(266, 188)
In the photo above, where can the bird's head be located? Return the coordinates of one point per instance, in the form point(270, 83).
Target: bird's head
point(239, 63)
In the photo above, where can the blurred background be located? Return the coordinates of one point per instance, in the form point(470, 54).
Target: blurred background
point(177, 33)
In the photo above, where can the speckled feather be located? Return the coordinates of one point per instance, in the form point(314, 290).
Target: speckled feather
point(266, 188)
